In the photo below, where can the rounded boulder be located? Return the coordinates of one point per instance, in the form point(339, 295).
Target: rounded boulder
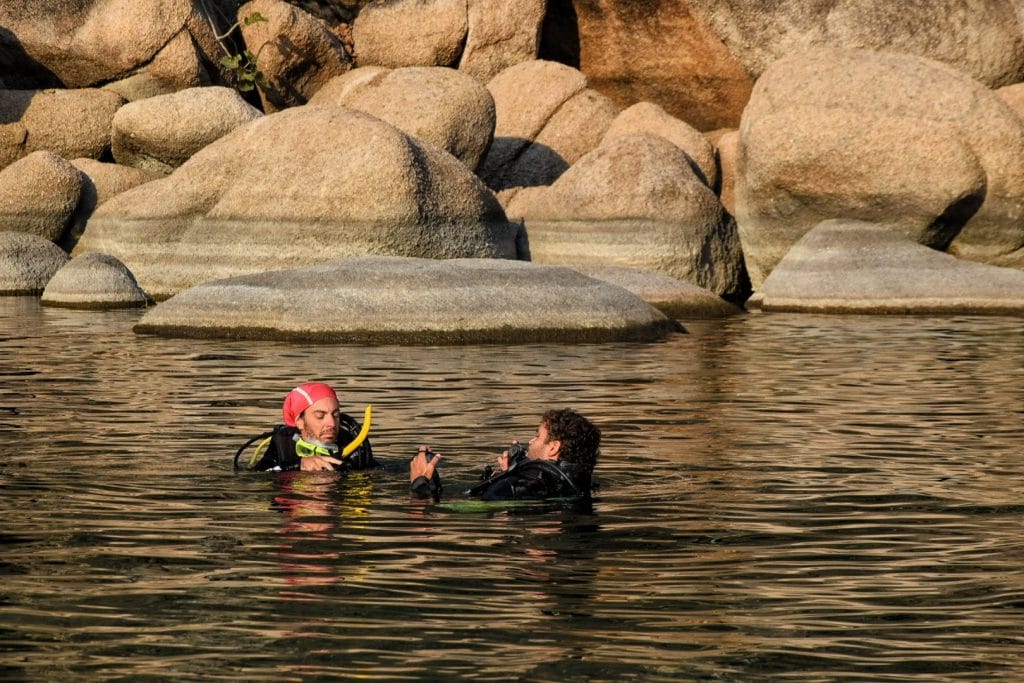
point(27, 262)
point(96, 281)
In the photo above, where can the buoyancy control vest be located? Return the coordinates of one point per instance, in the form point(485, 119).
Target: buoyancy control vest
point(282, 449)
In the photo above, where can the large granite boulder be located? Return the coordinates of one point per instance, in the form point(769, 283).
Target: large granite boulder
point(70, 123)
point(296, 52)
point(635, 201)
point(647, 117)
point(420, 33)
point(675, 298)
point(160, 133)
point(547, 118)
point(479, 37)
point(101, 181)
point(858, 267)
point(441, 106)
point(305, 185)
point(39, 194)
point(881, 137)
point(390, 300)
point(27, 262)
point(699, 58)
point(169, 43)
point(95, 281)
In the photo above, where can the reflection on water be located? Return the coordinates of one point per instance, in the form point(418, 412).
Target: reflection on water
point(782, 497)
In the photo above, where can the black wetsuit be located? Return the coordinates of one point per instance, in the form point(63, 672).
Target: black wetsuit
point(525, 480)
point(281, 455)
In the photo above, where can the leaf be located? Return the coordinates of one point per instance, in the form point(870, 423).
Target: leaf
point(231, 61)
point(254, 18)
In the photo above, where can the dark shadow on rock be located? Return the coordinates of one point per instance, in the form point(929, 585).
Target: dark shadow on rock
point(519, 162)
point(86, 205)
point(560, 34)
point(944, 229)
point(19, 70)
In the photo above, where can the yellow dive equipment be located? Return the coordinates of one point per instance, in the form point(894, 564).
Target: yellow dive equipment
point(361, 437)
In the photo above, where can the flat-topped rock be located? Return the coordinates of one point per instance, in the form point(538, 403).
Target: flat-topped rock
point(27, 262)
point(395, 300)
point(97, 281)
point(845, 266)
point(675, 298)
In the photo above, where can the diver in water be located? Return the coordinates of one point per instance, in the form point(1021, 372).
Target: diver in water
point(559, 462)
point(315, 436)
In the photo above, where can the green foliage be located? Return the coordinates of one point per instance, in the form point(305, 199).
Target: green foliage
point(247, 73)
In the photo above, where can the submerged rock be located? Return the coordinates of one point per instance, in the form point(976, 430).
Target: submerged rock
point(27, 262)
point(306, 185)
point(391, 300)
point(94, 281)
point(857, 267)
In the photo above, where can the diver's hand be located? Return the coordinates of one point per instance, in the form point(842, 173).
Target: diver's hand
point(503, 459)
point(317, 463)
point(419, 466)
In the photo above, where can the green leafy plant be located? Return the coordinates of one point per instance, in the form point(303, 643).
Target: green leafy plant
point(243, 65)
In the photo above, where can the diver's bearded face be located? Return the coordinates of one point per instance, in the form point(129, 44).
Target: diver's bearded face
point(319, 422)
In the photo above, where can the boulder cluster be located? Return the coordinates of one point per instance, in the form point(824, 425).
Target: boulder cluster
point(268, 169)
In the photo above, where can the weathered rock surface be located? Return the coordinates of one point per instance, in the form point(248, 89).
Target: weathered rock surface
point(858, 267)
point(160, 133)
point(101, 181)
point(547, 118)
point(1013, 95)
point(389, 300)
point(421, 33)
point(647, 117)
point(727, 145)
point(305, 185)
point(635, 201)
point(97, 281)
point(442, 106)
point(500, 34)
point(27, 262)
point(297, 52)
point(90, 42)
point(70, 123)
point(881, 137)
point(38, 195)
point(699, 58)
point(675, 298)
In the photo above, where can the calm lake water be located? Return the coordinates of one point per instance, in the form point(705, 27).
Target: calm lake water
point(783, 497)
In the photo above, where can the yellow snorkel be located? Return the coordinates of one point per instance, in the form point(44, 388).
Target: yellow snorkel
point(361, 437)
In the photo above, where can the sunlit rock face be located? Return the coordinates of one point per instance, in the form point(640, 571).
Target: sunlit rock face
point(306, 185)
point(699, 58)
point(882, 137)
point(442, 106)
point(858, 267)
point(635, 201)
point(395, 300)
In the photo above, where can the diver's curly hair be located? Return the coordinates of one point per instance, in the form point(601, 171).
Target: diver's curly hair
point(581, 440)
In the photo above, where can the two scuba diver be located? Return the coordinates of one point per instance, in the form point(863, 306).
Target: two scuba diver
point(316, 436)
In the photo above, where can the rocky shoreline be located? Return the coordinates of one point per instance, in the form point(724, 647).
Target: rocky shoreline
point(828, 168)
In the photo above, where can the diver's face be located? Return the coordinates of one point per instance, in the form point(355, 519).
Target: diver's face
point(542, 446)
point(320, 421)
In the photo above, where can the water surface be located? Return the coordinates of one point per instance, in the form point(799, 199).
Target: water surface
point(783, 497)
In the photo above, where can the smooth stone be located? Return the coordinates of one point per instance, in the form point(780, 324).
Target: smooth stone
point(94, 280)
point(845, 266)
point(395, 300)
point(27, 262)
point(39, 194)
